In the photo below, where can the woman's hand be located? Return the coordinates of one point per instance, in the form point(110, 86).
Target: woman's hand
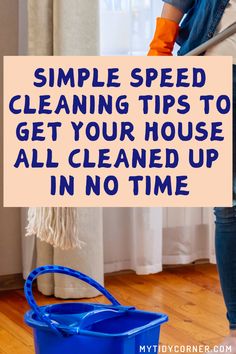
point(167, 29)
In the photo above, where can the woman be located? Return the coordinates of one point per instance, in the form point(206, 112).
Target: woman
point(203, 19)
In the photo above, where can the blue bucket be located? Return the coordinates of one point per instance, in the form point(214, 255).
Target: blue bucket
point(87, 328)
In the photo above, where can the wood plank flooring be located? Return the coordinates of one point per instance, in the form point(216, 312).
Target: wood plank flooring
point(190, 295)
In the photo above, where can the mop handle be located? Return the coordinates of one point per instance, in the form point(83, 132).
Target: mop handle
point(229, 31)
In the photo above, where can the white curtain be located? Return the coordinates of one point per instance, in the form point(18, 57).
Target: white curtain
point(188, 235)
point(141, 239)
point(127, 25)
point(133, 239)
point(144, 239)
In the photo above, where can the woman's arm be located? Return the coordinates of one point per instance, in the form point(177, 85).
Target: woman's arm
point(182, 5)
point(172, 13)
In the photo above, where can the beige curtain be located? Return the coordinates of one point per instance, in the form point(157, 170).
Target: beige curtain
point(66, 27)
point(10, 255)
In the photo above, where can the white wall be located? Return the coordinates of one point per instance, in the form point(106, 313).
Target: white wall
point(10, 232)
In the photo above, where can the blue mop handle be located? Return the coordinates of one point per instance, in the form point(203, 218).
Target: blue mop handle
point(61, 270)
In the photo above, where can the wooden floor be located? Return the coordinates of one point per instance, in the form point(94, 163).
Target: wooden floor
point(190, 295)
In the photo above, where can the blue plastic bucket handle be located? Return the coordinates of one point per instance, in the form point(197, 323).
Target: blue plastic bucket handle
point(28, 289)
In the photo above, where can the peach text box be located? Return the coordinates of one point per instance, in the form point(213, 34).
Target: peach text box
point(32, 185)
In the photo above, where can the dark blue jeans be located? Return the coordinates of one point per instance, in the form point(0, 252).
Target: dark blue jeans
point(225, 236)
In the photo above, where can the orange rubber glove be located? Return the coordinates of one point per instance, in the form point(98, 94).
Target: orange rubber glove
point(164, 37)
